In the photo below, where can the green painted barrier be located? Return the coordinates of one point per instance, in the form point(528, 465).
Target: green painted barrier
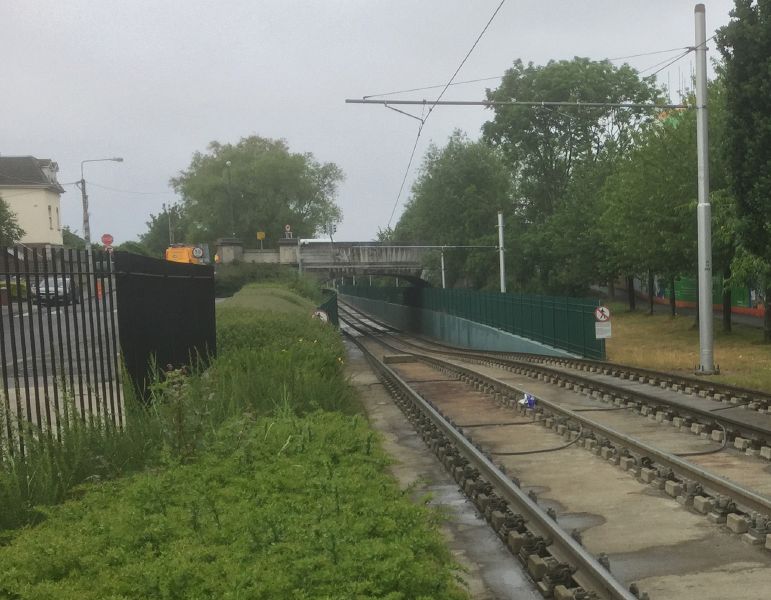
point(560, 322)
point(329, 306)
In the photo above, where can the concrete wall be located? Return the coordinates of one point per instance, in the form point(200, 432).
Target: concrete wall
point(449, 328)
point(261, 256)
point(32, 207)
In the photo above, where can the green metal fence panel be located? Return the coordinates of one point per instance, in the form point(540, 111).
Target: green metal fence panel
point(329, 306)
point(560, 322)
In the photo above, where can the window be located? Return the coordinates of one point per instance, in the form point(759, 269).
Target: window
point(58, 222)
point(50, 218)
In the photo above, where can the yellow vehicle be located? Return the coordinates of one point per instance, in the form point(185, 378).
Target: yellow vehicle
point(195, 254)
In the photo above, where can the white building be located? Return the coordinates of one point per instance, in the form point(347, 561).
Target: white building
point(29, 187)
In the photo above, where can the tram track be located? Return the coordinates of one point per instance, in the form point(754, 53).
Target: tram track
point(747, 430)
point(744, 510)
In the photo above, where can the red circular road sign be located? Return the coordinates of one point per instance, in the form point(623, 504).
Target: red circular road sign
point(107, 239)
point(602, 314)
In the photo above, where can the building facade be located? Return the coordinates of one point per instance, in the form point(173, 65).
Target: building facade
point(30, 188)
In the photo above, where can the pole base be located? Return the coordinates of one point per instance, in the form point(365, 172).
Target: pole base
point(702, 371)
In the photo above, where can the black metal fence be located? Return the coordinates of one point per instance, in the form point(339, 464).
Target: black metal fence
point(59, 349)
point(73, 322)
point(166, 315)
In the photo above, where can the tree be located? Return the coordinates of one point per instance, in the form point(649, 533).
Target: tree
point(264, 187)
point(10, 231)
point(454, 201)
point(135, 248)
point(71, 240)
point(157, 237)
point(543, 146)
point(744, 44)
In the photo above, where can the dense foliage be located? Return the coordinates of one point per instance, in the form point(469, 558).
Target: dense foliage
point(265, 483)
point(264, 188)
point(744, 44)
point(10, 231)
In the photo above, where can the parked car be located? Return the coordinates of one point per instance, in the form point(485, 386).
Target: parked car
point(56, 289)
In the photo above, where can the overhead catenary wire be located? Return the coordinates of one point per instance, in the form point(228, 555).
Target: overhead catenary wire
point(431, 109)
point(140, 193)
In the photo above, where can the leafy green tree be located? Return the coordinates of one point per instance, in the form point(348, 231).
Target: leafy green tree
point(135, 248)
point(745, 44)
point(72, 240)
point(264, 187)
point(542, 145)
point(10, 231)
point(454, 202)
point(157, 237)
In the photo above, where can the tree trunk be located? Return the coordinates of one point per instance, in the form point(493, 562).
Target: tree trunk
point(672, 298)
point(767, 318)
point(726, 300)
point(612, 289)
point(630, 292)
point(651, 292)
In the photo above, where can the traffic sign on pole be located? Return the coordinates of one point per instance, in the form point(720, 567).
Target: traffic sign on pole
point(107, 239)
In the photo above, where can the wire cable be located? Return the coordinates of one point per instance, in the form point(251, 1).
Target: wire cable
point(432, 87)
point(431, 109)
point(681, 48)
point(104, 187)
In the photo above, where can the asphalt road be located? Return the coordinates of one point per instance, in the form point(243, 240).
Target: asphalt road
point(51, 342)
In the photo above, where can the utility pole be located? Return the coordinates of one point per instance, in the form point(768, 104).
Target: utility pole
point(501, 251)
point(167, 210)
point(703, 208)
point(444, 282)
point(86, 225)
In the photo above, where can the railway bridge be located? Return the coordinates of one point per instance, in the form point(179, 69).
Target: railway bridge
point(335, 259)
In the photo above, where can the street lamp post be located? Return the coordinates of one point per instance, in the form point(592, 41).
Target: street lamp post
point(84, 194)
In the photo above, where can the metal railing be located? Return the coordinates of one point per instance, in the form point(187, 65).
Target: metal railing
point(58, 341)
point(73, 322)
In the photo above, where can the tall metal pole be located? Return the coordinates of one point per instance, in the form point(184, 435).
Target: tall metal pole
point(444, 281)
point(84, 195)
point(703, 209)
point(501, 251)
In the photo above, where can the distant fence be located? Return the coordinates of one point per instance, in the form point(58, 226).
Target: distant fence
point(166, 315)
point(329, 306)
point(560, 322)
point(72, 321)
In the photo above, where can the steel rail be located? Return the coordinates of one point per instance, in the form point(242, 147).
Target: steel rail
point(734, 425)
point(590, 574)
point(747, 500)
point(693, 382)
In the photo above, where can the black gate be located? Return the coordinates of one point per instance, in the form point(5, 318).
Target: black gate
point(166, 315)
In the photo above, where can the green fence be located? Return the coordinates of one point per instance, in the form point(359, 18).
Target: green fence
point(329, 306)
point(560, 322)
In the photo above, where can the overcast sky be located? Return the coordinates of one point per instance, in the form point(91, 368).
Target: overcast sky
point(155, 81)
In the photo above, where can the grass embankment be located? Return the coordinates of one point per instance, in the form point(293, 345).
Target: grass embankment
point(267, 484)
point(664, 343)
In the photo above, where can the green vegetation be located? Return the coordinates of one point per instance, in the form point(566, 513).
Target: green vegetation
point(591, 194)
point(232, 277)
point(264, 482)
point(744, 44)
point(10, 231)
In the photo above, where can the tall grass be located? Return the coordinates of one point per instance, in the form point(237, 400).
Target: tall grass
point(267, 362)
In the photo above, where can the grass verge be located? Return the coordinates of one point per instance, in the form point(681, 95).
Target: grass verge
point(669, 344)
point(265, 484)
